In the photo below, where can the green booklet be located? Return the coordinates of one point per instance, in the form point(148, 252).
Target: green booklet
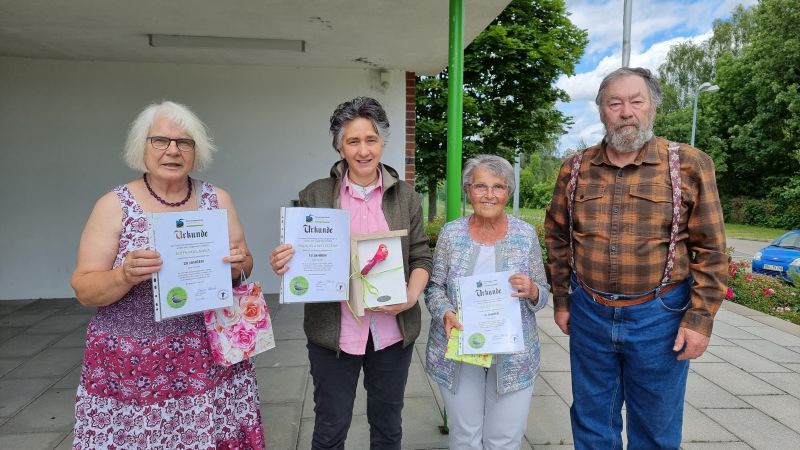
point(452, 352)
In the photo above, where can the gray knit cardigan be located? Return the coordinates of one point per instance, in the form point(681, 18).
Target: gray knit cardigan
point(402, 208)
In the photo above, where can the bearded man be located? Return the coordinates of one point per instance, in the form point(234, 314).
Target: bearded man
point(638, 269)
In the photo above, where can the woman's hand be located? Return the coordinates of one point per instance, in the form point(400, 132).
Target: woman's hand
point(279, 258)
point(524, 287)
point(450, 322)
point(237, 259)
point(139, 265)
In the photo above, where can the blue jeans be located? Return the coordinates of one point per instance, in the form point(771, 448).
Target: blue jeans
point(624, 355)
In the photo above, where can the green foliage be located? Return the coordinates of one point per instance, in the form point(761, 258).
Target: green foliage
point(765, 212)
point(509, 95)
point(763, 293)
point(751, 127)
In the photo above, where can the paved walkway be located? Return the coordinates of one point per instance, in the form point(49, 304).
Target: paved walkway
point(744, 393)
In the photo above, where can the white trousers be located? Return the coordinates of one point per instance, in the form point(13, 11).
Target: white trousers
point(478, 418)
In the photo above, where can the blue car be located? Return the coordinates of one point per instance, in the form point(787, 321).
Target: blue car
point(781, 258)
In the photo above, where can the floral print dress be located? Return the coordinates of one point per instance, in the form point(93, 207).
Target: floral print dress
point(154, 385)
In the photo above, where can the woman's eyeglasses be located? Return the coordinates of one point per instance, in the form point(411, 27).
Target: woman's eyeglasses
point(482, 189)
point(162, 143)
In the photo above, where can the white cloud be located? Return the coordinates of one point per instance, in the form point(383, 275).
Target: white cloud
point(656, 25)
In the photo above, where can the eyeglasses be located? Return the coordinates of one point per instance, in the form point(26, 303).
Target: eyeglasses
point(482, 189)
point(162, 143)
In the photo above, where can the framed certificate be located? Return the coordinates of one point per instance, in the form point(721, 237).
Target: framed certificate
point(377, 271)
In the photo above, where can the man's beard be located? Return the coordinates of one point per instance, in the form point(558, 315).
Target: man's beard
point(630, 140)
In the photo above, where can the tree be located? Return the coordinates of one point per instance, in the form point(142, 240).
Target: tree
point(509, 92)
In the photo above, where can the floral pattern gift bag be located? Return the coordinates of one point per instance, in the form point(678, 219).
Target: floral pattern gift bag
point(242, 330)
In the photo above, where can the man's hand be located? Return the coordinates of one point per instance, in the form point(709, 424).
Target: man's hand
point(692, 343)
point(562, 320)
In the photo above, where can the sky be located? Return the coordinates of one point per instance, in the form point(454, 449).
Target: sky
point(656, 25)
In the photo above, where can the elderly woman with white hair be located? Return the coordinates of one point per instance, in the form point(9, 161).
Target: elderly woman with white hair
point(148, 384)
point(487, 408)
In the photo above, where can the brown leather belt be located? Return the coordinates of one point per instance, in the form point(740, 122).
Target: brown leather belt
point(627, 301)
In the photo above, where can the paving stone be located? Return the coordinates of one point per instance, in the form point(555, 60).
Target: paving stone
point(561, 383)
point(708, 356)
point(698, 427)
point(737, 320)
point(554, 358)
point(77, 338)
point(548, 422)
point(7, 333)
point(59, 323)
point(774, 335)
point(550, 328)
point(287, 353)
point(738, 445)
point(746, 360)
point(718, 340)
point(281, 425)
point(769, 350)
point(562, 341)
point(421, 416)
point(9, 306)
point(30, 441)
point(52, 362)
point(545, 339)
point(734, 380)
point(25, 345)
point(702, 393)
point(783, 408)
point(726, 331)
point(288, 322)
point(755, 428)
point(794, 367)
point(14, 394)
point(281, 384)
point(9, 364)
point(788, 382)
point(52, 411)
point(66, 444)
point(779, 324)
point(417, 384)
point(540, 386)
point(71, 379)
point(308, 400)
point(23, 318)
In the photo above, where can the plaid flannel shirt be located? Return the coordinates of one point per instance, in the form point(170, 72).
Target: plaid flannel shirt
point(622, 228)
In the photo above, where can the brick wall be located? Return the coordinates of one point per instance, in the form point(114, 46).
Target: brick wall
point(411, 121)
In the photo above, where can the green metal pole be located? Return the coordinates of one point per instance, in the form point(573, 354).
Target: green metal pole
point(455, 108)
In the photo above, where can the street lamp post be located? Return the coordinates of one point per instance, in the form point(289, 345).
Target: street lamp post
point(705, 87)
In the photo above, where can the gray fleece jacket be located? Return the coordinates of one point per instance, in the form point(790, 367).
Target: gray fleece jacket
point(402, 208)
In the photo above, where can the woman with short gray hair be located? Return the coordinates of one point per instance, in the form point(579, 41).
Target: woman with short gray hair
point(381, 342)
point(486, 408)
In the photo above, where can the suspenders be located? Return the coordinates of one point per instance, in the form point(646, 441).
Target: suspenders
point(675, 180)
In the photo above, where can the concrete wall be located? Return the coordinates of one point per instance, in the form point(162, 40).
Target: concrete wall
point(63, 125)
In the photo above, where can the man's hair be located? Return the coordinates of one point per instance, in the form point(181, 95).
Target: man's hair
point(649, 79)
point(359, 108)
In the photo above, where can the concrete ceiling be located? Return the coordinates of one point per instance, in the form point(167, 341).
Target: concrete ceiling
point(408, 35)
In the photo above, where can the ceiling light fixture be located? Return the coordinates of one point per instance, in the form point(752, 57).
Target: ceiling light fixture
point(173, 40)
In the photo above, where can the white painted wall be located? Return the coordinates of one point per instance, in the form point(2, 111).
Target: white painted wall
point(63, 125)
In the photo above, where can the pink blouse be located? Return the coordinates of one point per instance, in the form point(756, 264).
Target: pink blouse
point(366, 216)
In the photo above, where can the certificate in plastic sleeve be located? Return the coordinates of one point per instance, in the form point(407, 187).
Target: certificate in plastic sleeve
point(319, 270)
point(491, 317)
point(193, 277)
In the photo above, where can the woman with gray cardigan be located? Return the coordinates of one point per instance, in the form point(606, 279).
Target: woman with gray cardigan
point(339, 346)
point(487, 408)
